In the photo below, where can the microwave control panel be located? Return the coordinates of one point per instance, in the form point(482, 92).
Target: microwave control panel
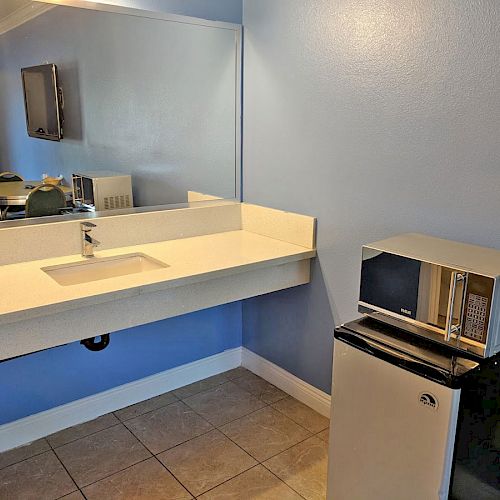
point(477, 308)
point(475, 319)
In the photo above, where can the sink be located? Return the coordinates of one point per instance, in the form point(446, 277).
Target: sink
point(96, 269)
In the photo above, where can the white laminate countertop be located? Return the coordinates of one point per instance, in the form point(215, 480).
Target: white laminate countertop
point(28, 292)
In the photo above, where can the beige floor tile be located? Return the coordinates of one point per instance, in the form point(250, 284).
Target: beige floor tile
point(148, 480)
point(303, 468)
point(206, 461)
point(169, 426)
point(133, 411)
point(260, 388)
point(102, 454)
point(255, 484)
point(236, 373)
point(265, 433)
point(76, 495)
point(324, 435)
point(302, 414)
point(22, 452)
point(78, 431)
point(200, 386)
point(38, 478)
point(224, 403)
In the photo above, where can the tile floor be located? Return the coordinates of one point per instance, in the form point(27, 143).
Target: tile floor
point(231, 436)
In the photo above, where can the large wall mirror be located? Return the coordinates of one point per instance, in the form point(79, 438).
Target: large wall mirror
point(150, 99)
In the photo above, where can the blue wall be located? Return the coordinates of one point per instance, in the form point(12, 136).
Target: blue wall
point(293, 329)
point(378, 117)
point(57, 376)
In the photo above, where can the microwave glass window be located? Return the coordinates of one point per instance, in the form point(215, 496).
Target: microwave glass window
point(390, 282)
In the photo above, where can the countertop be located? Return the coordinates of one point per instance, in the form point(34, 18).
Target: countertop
point(28, 292)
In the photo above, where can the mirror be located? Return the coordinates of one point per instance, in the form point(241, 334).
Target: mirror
point(149, 98)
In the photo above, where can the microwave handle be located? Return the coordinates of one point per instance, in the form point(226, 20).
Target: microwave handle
point(450, 328)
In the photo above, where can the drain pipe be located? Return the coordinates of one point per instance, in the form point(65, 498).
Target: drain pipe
point(92, 344)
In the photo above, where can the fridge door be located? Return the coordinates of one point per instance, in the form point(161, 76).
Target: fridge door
point(392, 431)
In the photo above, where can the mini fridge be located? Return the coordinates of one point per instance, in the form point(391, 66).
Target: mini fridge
point(409, 420)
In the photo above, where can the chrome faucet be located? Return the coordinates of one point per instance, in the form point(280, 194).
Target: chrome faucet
point(88, 243)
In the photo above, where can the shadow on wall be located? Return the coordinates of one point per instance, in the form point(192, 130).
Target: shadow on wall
point(274, 326)
point(73, 119)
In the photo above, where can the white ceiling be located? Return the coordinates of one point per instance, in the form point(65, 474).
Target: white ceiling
point(9, 6)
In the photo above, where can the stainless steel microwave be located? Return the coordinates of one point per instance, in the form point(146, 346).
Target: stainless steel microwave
point(102, 190)
point(442, 290)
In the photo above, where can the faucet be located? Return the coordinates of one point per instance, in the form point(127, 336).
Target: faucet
point(88, 243)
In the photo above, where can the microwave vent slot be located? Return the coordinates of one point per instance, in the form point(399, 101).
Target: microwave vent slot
point(118, 201)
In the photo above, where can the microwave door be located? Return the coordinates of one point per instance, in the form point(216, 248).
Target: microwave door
point(417, 292)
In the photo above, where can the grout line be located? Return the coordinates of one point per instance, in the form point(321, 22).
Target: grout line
point(234, 419)
point(294, 421)
point(241, 448)
point(194, 437)
point(83, 437)
point(321, 432)
point(153, 455)
point(272, 456)
point(202, 391)
point(146, 412)
point(179, 444)
point(214, 428)
point(266, 405)
point(175, 477)
point(286, 449)
point(230, 479)
point(65, 468)
point(284, 482)
point(27, 458)
point(67, 494)
point(120, 421)
point(116, 472)
point(217, 485)
point(296, 444)
point(109, 475)
point(241, 417)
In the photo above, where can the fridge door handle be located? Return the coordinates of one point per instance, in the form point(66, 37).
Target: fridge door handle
point(450, 328)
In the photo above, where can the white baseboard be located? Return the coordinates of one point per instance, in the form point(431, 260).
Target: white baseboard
point(28, 429)
point(304, 392)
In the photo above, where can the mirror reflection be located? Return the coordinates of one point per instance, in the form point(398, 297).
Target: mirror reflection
point(104, 110)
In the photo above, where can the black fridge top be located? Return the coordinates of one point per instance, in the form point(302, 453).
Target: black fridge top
point(441, 364)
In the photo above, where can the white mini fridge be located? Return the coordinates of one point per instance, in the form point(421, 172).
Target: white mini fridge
point(393, 421)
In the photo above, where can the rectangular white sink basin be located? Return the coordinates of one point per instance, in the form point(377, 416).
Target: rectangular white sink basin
point(96, 268)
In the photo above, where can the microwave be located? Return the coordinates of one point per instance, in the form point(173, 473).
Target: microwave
point(102, 190)
point(443, 290)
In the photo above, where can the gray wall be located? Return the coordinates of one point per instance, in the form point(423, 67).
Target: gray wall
point(152, 98)
point(378, 117)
